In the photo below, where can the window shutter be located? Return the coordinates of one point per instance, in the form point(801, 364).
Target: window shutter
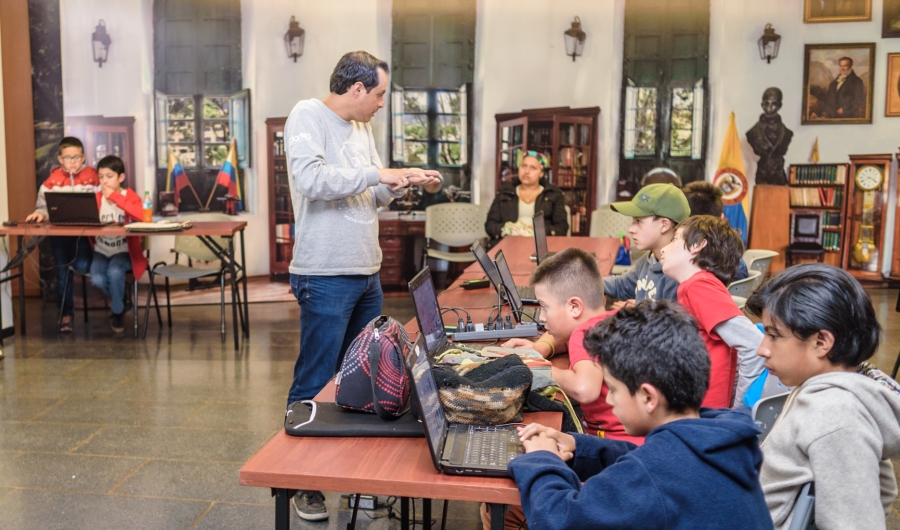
point(239, 117)
point(397, 133)
point(162, 129)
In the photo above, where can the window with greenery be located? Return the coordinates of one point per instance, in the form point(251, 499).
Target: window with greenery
point(687, 123)
point(219, 119)
point(640, 121)
point(430, 127)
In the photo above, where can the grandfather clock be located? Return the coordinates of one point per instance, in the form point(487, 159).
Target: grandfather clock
point(864, 224)
point(895, 259)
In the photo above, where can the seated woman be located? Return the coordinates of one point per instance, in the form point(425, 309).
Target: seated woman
point(518, 201)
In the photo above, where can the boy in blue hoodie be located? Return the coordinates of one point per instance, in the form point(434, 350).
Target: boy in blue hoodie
point(698, 468)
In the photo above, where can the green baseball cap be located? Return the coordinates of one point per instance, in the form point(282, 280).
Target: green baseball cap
point(664, 200)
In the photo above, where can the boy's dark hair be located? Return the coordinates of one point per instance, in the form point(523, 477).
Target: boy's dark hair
point(811, 297)
point(654, 342)
point(112, 162)
point(722, 254)
point(704, 198)
point(70, 141)
point(572, 272)
point(357, 67)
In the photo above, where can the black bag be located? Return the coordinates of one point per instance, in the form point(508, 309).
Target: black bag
point(373, 376)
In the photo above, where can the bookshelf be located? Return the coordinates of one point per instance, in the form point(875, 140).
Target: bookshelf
point(822, 188)
point(281, 211)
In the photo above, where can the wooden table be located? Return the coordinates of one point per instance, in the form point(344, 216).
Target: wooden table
point(403, 466)
point(204, 231)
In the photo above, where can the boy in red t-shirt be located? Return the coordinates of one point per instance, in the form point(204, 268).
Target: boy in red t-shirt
point(569, 288)
point(703, 257)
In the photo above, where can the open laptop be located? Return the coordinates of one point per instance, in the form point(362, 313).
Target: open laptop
point(531, 314)
point(540, 238)
point(526, 292)
point(428, 314)
point(457, 449)
point(74, 208)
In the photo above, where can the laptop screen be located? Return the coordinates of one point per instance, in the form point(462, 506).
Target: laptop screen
point(428, 311)
point(429, 400)
point(509, 284)
point(490, 270)
point(540, 236)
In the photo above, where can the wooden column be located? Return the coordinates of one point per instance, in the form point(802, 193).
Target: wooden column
point(895, 259)
point(18, 108)
point(770, 219)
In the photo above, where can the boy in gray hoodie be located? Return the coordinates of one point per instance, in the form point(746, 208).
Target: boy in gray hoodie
point(840, 425)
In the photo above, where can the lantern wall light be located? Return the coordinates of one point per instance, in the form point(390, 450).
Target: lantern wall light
point(100, 40)
point(575, 39)
point(769, 43)
point(293, 39)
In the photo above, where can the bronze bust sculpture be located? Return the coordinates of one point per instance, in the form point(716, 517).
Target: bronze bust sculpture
point(770, 139)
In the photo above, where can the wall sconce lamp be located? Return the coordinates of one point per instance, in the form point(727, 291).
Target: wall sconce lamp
point(100, 39)
point(769, 43)
point(293, 39)
point(575, 39)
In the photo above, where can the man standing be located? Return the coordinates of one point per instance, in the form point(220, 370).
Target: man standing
point(337, 183)
point(846, 96)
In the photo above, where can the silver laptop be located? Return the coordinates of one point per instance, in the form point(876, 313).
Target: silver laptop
point(457, 449)
point(531, 314)
point(526, 292)
point(73, 208)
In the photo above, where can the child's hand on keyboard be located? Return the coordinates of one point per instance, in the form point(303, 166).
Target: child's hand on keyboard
point(536, 437)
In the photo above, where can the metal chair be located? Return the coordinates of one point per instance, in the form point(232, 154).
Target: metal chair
point(744, 288)
point(195, 250)
point(455, 224)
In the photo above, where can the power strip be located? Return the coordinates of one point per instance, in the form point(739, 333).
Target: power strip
point(520, 331)
point(366, 502)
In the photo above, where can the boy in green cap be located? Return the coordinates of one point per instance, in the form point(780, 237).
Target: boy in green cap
point(655, 210)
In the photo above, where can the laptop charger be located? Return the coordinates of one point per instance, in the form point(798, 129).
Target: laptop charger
point(366, 502)
point(475, 284)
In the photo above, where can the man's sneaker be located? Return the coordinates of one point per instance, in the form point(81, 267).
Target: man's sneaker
point(117, 323)
point(310, 505)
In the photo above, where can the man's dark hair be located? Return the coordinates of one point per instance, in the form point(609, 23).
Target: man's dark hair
point(113, 163)
point(357, 67)
point(704, 198)
point(811, 297)
point(656, 343)
point(572, 272)
point(846, 59)
point(722, 254)
point(70, 141)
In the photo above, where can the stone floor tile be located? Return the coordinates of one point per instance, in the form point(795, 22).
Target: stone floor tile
point(44, 437)
point(96, 474)
point(119, 412)
point(13, 408)
point(199, 481)
point(176, 443)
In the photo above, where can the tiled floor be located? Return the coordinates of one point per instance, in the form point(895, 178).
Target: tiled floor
point(102, 431)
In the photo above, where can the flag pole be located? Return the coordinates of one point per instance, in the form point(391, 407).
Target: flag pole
point(211, 193)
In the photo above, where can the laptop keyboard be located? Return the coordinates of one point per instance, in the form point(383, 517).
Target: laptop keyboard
point(490, 446)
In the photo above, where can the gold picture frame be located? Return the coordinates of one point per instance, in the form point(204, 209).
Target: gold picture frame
point(826, 98)
point(892, 98)
point(817, 11)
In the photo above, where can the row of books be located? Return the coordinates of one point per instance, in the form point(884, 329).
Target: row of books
point(574, 134)
point(284, 251)
point(836, 174)
point(570, 178)
point(572, 157)
point(831, 241)
point(817, 197)
point(278, 144)
point(831, 219)
point(284, 232)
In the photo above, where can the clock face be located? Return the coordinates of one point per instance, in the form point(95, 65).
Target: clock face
point(869, 178)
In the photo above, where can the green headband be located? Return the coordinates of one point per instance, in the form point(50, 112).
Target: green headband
point(542, 159)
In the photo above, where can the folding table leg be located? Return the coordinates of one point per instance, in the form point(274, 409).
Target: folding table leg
point(498, 513)
point(426, 513)
point(404, 513)
point(283, 508)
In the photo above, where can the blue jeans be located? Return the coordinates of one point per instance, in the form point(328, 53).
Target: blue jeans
point(108, 273)
point(69, 251)
point(333, 310)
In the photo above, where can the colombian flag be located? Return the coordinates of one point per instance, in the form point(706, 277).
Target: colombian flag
point(176, 177)
point(228, 175)
point(731, 162)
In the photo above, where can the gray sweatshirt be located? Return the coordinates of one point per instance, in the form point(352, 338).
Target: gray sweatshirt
point(840, 430)
point(335, 191)
point(644, 280)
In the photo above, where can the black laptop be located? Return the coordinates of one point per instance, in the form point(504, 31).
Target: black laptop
point(526, 292)
point(540, 238)
point(73, 208)
point(428, 314)
point(457, 449)
point(531, 314)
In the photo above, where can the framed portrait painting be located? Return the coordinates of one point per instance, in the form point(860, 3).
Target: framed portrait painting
point(836, 11)
point(890, 25)
point(838, 83)
point(892, 103)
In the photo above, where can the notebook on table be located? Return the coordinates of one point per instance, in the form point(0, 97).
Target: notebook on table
point(526, 292)
point(73, 208)
point(457, 449)
point(531, 314)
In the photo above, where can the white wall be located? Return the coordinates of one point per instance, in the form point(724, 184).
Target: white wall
point(738, 78)
point(521, 63)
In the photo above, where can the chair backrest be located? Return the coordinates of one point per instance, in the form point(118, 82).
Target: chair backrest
point(744, 288)
point(606, 222)
point(191, 246)
point(759, 260)
point(804, 509)
point(568, 219)
point(455, 224)
point(766, 411)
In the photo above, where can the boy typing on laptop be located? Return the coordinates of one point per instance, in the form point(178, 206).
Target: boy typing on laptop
point(72, 175)
point(698, 468)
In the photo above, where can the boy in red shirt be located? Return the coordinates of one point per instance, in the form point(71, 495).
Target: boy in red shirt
point(71, 176)
point(116, 255)
point(703, 257)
